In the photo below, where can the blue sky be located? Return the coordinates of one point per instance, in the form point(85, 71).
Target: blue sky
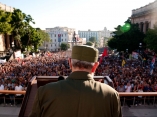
point(78, 14)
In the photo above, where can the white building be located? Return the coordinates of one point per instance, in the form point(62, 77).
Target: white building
point(99, 35)
point(58, 35)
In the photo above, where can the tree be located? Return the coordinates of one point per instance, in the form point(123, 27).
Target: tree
point(64, 46)
point(89, 43)
point(5, 26)
point(92, 39)
point(125, 37)
point(44, 35)
point(151, 38)
point(18, 25)
point(21, 25)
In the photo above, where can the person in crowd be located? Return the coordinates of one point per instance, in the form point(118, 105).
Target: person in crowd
point(18, 97)
point(128, 89)
point(1, 95)
point(78, 95)
point(140, 98)
point(121, 88)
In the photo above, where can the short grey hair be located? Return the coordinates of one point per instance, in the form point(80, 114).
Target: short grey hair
point(82, 64)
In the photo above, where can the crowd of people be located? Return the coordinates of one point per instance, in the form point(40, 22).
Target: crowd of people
point(132, 77)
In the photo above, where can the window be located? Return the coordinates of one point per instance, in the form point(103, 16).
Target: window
point(62, 35)
point(65, 39)
point(55, 44)
point(55, 35)
point(51, 45)
point(65, 34)
point(55, 40)
point(62, 39)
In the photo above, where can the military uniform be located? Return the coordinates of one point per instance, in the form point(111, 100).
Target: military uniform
point(79, 95)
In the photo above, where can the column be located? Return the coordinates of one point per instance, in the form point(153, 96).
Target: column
point(7, 41)
point(144, 27)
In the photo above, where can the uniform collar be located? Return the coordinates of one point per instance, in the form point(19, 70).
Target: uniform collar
point(80, 75)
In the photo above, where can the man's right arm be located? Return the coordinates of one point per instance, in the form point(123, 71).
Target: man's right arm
point(36, 109)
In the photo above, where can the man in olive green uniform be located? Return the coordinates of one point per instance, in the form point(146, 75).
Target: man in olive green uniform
point(79, 95)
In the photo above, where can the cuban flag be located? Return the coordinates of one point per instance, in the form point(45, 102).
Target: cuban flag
point(59, 37)
point(152, 65)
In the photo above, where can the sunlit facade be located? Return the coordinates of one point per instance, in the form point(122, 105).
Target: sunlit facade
point(57, 35)
point(145, 16)
point(99, 35)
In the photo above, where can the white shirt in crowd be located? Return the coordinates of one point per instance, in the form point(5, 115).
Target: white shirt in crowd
point(128, 88)
point(1, 88)
point(18, 88)
point(140, 90)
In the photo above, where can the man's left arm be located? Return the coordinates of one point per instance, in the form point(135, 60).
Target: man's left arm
point(36, 109)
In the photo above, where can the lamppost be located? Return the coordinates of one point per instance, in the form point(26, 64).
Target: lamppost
point(126, 50)
point(140, 47)
point(126, 55)
point(32, 47)
point(12, 45)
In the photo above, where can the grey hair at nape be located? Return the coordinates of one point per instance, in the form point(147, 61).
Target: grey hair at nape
point(82, 64)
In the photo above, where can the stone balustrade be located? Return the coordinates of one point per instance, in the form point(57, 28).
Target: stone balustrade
point(146, 8)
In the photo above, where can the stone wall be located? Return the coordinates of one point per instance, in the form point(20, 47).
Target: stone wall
point(6, 8)
point(2, 43)
point(145, 16)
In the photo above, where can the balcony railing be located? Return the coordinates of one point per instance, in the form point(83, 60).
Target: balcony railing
point(145, 96)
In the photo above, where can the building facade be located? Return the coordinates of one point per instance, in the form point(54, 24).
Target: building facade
point(145, 16)
point(57, 35)
point(99, 35)
point(4, 7)
point(5, 40)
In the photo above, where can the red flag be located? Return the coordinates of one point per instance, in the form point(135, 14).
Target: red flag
point(105, 52)
point(103, 55)
point(100, 60)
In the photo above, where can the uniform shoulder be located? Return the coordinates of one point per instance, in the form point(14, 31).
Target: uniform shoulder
point(51, 86)
point(108, 88)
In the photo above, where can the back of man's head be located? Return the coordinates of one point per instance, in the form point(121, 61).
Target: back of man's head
point(84, 57)
point(85, 53)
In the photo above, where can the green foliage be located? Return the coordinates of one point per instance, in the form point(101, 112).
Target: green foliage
point(5, 26)
point(44, 35)
point(151, 39)
point(89, 43)
point(21, 25)
point(126, 37)
point(64, 46)
point(17, 23)
point(92, 39)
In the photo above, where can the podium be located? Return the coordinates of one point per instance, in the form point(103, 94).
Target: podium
point(32, 87)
